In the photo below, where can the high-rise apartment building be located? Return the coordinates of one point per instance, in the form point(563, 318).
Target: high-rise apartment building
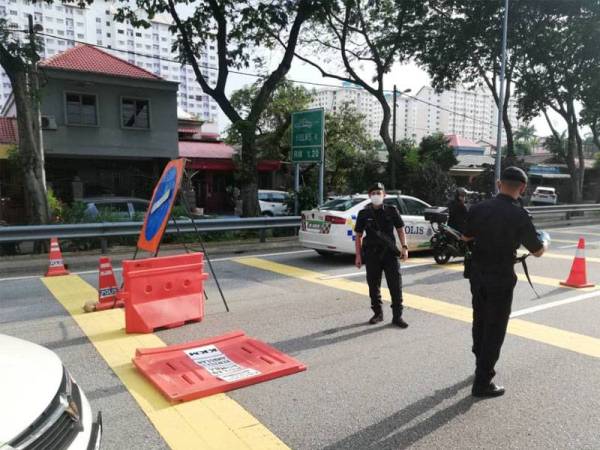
point(150, 48)
point(469, 113)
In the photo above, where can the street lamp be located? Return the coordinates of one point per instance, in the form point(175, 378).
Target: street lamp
point(501, 97)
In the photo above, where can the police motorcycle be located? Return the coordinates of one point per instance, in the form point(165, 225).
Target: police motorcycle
point(446, 242)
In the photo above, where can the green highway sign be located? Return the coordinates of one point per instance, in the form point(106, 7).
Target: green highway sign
point(308, 129)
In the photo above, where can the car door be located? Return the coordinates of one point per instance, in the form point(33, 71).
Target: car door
point(418, 230)
point(279, 205)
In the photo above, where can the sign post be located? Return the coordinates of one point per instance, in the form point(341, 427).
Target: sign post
point(308, 144)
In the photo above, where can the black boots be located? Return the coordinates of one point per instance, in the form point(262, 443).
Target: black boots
point(487, 390)
point(377, 317)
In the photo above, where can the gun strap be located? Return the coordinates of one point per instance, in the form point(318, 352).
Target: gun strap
point(526, 270)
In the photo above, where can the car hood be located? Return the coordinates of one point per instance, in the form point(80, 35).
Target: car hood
point(30, 376)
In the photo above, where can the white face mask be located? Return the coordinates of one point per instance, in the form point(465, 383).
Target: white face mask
point(377, 199)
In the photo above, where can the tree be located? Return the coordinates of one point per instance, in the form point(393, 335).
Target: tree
point(368, 37)
point(348, 151)
point(436, 149)
point(557, 145)
point(239, 29)
point(19, 58)
point(273, 128)
point(464, 47)
point(562, 50)
point(525, 140)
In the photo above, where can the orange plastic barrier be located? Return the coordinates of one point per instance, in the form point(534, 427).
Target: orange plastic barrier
point(163, 292)
point(213, 365)
point(57, 265)
point(578, 275)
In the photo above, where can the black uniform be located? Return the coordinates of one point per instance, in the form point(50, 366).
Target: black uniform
point(457, 212)
point(500, 226)
point(380, 257)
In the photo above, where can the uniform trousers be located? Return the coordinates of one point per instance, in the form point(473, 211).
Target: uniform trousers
point(492, 291)
point(378, 262)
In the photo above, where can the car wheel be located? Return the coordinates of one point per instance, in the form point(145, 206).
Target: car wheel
point(268, 214)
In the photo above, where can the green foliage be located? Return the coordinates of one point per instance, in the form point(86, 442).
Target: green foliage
point(74, 213)
point(273, 138)
point(557, 146)
point(307, 198)
point(436, 149)
point(525, 140)
point(55, 206)
point(484, 182)
point(429, 182)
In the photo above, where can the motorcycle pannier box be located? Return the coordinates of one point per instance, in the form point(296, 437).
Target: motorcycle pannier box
point(437, 214)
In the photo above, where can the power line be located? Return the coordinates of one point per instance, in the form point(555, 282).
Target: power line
point(255, 75)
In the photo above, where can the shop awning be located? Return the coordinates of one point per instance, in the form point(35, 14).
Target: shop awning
point(216, 156)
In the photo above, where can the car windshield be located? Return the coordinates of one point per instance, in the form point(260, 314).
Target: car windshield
point(341, 204)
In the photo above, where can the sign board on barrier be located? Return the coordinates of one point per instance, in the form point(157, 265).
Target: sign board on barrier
point(159, 210)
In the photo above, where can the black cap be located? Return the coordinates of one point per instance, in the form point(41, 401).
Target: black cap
point(376, 187)
point(514, 174)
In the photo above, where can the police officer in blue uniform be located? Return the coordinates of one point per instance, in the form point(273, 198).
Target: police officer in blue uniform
point(378, 251)
point(496, 228)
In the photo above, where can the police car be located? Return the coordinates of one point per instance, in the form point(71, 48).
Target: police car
point(329, 228)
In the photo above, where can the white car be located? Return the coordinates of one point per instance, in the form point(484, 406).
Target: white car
point(544, 196)
point(42, 407)
point(329, 229)
point(273, 203)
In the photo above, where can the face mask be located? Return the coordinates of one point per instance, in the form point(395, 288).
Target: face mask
point(377, 199)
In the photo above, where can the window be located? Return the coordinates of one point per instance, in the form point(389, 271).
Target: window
point(60, 32)
point(98, 20)
point(61, 43)
point(13, 12)
point(69, 23)
point(129, 32)
point(164, 39)
point(155, 37)
point(135, 113)
point(60, 21)
point(70, 33)
point(121, 31)
point(130, 43)
point(49, 19)
point(99, 42)
point(414, 207)
point(138, 34)
point(81, 109)
point(107, 34)
point(98, 31)
point(107, 23)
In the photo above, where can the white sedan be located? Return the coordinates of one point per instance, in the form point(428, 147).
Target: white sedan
point(329, 228)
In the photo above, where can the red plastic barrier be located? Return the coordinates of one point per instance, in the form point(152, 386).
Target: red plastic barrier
point(56, 265)
point(213, 365)
point(163, 292)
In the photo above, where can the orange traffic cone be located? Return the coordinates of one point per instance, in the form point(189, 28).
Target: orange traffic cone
point(107, 288)
point(578, 277)
point(57, 265)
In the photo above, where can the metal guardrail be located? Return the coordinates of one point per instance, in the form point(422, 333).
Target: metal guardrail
point(561, 215)
point(114, 229)
point(543, 215)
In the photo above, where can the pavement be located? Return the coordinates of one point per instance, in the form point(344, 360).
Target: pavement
point(365, 386)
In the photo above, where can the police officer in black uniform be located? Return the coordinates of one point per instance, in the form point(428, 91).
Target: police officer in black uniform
point(457, 211)
point(496, 228)
point(378, 251)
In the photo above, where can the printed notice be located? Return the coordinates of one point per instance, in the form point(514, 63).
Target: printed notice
point(219, 365)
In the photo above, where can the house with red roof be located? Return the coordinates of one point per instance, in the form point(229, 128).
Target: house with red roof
point(109, 127)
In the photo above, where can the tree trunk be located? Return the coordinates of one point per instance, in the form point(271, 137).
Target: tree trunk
point(30, 151)
point(574, 167)
point(384, 132)
point(249, 171)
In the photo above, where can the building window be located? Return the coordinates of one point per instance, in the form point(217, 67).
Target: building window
point(135, 113)
point(129, 32)
point(69, 23)
point(107, 34)
point(121, 31)
point(81, 109)
point(138, 34)
point(130, 43)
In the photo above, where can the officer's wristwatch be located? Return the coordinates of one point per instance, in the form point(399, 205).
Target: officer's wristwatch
point(405, 247)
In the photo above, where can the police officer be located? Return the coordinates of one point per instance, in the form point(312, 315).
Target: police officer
point(457, 211)
point(378, 251)
point(497, 228)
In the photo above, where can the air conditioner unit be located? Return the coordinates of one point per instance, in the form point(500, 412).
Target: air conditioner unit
point(49, 123)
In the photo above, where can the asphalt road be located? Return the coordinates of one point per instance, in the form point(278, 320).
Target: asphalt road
point(368, 386)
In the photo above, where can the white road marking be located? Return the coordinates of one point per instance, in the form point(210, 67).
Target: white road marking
point(566, 301)
point(362, 272)
point(575, 245)
point(118, 269)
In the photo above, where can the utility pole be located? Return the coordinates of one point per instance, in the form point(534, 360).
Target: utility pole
point(501, 98)
point(35, 85)
point(393, 161)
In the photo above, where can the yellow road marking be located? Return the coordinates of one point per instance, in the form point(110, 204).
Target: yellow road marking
point(536, 279)
point(215, 422)
point(567, 340)
point(570, 257)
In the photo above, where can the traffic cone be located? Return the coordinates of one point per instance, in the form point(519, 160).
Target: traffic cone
point(107, 288)
point(578, 277)
point(57, 265)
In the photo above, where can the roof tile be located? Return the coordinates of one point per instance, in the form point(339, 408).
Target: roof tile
point(8, 130)
point(86, 58)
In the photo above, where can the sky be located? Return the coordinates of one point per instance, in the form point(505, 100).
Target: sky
point(406, 76)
